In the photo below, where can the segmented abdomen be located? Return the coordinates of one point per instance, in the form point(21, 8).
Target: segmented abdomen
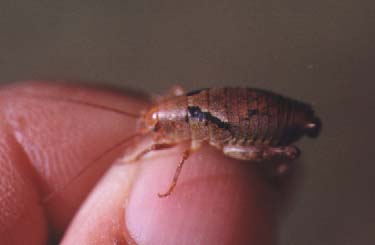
point(244, 116)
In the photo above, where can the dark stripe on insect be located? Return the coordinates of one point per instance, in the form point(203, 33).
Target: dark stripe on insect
point(252, 112)
point(197, 91)
point(196, 113)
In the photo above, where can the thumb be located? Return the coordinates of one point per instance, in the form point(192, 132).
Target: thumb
point(217, 201)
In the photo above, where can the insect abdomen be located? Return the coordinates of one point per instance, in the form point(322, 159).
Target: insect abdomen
point(243, 116)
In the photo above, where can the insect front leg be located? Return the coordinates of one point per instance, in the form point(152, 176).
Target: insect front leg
point(185, 156)
point(259, 154)
point(154, 147)
point(195, 145)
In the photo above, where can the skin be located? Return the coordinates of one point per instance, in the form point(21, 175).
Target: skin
point(44, 145)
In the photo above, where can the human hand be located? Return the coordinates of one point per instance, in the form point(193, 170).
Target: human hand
point(44, 145)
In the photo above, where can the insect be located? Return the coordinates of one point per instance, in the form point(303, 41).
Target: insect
point(244, 123)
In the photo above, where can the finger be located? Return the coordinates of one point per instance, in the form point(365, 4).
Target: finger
point(53, 140)
point(18, 193)
point(217, 201)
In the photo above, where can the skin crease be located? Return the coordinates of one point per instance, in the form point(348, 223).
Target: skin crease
point(45, 143)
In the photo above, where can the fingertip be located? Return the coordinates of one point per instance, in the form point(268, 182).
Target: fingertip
point(100, 218)
point(217, 200)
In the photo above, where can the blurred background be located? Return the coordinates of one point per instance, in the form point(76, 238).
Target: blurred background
point(321, 52)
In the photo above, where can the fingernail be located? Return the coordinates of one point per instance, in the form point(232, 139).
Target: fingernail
point(217, 200)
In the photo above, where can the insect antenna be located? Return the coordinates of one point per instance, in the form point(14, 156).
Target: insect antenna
point(91, 164)
point(80, 102)
point(95, 161)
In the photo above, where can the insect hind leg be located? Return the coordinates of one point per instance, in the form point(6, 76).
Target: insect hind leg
point(282, 155)
point(261, 153)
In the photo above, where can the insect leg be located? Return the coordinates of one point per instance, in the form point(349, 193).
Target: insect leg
point(195, 145)
point(261, 153)
point(185, 156)
point(176, 90)
point(281, 155)
point(154, 147)
point(286, 152)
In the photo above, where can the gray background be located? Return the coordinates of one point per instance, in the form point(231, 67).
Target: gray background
point(319, 51)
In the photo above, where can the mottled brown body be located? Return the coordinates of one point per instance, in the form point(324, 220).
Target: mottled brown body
point(246, 124)
point(236, 116)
